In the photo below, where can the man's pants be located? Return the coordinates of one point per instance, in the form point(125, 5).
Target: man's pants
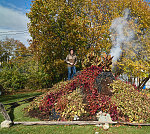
point(69, 72)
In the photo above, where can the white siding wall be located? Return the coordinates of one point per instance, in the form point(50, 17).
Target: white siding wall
point(124, 77)
point(148, 84)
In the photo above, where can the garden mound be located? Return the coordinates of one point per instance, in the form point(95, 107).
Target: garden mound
point(89, 92)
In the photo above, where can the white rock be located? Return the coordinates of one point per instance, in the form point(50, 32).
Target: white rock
point(76, 117)
point(106, 126)
point(103, 117)
point(6, 123)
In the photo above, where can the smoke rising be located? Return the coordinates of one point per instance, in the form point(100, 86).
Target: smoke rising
point(121, 34)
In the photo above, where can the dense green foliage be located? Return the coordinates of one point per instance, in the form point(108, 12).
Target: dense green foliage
point(12, 79)
point(22, 75)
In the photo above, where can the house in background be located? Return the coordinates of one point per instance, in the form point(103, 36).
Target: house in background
point(133, 80)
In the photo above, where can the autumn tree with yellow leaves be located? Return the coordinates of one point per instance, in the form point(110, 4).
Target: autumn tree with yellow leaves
point(134, 60)
point(56, 25)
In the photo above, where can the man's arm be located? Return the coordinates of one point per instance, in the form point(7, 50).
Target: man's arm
point(75, 61)
point(67, 59)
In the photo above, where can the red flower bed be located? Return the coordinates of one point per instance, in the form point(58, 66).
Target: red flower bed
point(86, 82)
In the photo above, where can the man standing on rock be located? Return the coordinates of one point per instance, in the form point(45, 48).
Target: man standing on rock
point(71, 60)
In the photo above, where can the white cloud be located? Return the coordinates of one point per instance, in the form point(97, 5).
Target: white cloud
point(13, 20)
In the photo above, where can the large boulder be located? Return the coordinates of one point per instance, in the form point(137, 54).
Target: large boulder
point(6, 124)
point(103, 117)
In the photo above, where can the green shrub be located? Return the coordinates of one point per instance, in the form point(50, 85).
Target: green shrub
point(37, 80)
point(59, 70)
point(11, 78)
point(26, 74)
point(131, 103)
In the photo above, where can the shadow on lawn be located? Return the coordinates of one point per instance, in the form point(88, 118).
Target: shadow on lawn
point(16, 97)
point(11, 113)
point(11, 110)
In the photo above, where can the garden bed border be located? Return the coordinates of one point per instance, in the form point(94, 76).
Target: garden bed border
point(77, 123)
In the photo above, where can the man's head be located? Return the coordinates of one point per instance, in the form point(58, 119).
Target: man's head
point(71, 51)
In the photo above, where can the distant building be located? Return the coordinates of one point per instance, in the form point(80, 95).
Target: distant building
point(125, 78)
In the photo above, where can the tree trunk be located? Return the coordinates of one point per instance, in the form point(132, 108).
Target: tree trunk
point(4, 113)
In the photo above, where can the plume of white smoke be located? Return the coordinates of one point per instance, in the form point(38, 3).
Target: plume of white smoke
point(121, 34)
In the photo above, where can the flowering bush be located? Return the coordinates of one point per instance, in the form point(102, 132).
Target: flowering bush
point(93, 59)
point(46, 101)
point(131, 103)
point(102, 103)
point(70, 105)
point(126, 101)
point(68, 102)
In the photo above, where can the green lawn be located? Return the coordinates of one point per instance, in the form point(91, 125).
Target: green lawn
point(18, 115)
point(17, 97)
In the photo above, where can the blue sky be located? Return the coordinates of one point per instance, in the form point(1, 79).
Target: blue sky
point(22, 5)
point(13, 21)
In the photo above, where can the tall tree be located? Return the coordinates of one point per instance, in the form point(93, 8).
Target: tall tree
point(135, 52)
point(55, 25)
point(10, 48)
